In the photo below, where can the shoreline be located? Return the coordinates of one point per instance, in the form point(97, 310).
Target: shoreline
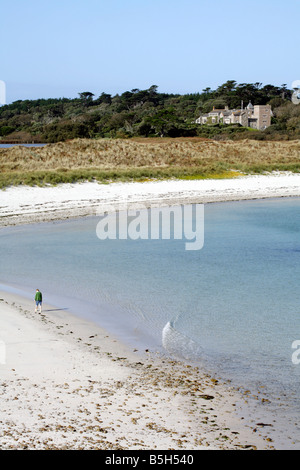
point(24, 204)
point(68, 384)
point(123, 399)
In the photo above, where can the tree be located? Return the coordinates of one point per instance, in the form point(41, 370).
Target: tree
point(86, 97)
point(227, 87)
point(218, 103)
point(165, 122)
point(104, 98)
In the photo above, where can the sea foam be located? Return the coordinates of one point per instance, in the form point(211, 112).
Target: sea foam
point(178, 344)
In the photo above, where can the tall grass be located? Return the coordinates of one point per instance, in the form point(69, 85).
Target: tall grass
point(107, 160)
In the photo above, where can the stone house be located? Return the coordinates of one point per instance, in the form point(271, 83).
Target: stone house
point(257, 117)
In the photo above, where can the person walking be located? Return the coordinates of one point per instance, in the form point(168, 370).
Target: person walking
point(38, 301)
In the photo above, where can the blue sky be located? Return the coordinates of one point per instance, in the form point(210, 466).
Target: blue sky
point(59, 48)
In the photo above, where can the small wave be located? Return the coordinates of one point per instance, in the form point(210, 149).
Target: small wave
point(179, 344)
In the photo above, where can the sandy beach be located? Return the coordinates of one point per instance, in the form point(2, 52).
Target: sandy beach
point(23, 204)
point(67, 384)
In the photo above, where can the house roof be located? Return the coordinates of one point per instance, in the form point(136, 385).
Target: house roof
point(217, 110)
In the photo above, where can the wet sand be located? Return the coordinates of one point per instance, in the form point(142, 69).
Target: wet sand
point(67, 384)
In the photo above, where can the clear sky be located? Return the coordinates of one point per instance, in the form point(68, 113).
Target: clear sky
point(58, 48)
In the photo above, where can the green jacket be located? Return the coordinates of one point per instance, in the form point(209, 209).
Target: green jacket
point(38, 297)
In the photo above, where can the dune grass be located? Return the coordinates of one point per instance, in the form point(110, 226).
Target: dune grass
point(106, 160)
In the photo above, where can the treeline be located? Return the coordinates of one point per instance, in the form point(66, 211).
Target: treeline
point(148, 113)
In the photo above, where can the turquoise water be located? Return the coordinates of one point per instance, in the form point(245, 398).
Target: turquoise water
point(233, 306)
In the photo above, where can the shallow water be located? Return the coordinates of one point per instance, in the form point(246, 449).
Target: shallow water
point(5, 146)
point(232, 306)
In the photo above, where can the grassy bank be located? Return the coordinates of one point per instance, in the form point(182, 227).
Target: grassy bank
point(106, 160)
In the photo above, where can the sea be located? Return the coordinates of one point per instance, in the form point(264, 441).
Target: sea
point(5, 146)
point(231, 306)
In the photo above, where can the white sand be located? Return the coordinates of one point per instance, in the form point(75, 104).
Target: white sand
point(35, 204)
point(65, 383)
